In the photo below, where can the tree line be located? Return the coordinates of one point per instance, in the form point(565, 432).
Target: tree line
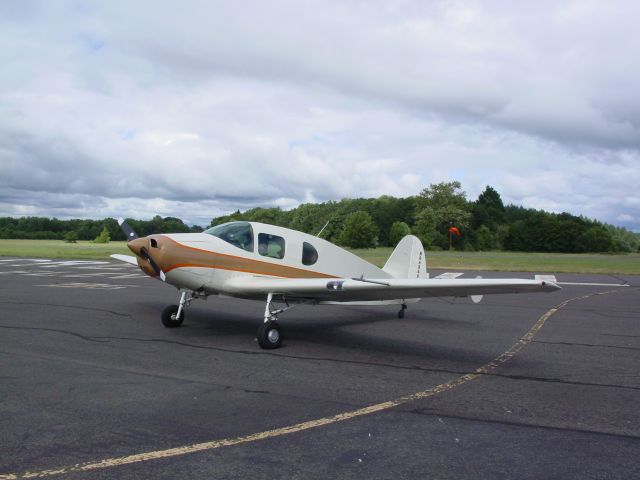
point(42, 228)
point(484, 224)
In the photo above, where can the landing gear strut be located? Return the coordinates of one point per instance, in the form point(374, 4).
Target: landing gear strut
point(173, 315)
point(402, 309)
point(269, 334)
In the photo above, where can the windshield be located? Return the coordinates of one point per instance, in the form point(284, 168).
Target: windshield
point(238, 234)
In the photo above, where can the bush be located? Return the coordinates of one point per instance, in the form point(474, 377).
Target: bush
point(397, 232)
point(103, 237)
point(71, 237)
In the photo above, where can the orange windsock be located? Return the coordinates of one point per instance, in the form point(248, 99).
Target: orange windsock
point(455, 231)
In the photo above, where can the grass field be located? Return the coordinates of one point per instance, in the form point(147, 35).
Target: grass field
point(498, 261)
point(60, 249)
point(520, 262)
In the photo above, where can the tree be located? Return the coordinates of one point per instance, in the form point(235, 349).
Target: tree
point(359, 231)
point(488, 210)
point(484, 238)
point(397, 232)
point(71, 237)
point(596, 239)
point(439, 207)
point(103, 237)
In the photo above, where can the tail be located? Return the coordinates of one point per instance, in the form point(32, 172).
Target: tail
point(407, 260)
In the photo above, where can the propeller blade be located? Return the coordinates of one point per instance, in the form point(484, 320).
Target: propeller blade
point(126, 228)
point(145, 254)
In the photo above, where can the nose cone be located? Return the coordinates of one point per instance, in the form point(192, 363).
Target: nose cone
point(137, 244)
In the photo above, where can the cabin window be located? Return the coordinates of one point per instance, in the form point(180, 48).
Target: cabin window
point(270, 245)
point(238, 234)
point(309, 254)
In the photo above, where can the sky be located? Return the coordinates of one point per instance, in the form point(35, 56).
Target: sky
point(195, 109)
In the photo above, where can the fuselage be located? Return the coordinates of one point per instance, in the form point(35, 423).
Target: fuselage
point(206, 261)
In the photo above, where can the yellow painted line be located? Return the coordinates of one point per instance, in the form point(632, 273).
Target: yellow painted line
point(526, 339)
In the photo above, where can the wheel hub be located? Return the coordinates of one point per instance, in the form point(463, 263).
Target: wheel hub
point(273, 336)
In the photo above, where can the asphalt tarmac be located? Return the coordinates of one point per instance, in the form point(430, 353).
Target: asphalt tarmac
point(518, 386)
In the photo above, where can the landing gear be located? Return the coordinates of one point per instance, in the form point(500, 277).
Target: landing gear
point(173, 315)
point(269, 335)
point(402, 309)
point(170, 317)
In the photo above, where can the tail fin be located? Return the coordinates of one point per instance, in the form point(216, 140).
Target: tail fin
point(407, 260)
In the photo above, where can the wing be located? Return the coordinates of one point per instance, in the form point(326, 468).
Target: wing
point(125, 258)
point(356, 290)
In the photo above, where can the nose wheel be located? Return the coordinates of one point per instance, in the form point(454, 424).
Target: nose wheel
point(172, 316)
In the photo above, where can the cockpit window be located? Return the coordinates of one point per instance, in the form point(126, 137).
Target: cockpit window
point(238, 234)
point(270, 245)
point(309, 254)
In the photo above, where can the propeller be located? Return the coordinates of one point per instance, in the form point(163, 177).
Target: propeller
point(142, 251)
point(128, 231)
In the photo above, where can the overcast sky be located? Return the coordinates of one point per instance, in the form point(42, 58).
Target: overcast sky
point(197, 108)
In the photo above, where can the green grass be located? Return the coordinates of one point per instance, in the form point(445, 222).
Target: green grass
point(499, 261)
point(82, 250)
point(520, 262)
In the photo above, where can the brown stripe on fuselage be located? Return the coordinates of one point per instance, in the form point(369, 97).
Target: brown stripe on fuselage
point(176, 255)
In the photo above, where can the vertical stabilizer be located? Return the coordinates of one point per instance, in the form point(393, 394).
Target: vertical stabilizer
point(407, 260)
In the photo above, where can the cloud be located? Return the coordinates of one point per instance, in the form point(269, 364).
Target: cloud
point(200, 110)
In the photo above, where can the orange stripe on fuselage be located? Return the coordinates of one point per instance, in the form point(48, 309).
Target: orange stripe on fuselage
point(178, 255)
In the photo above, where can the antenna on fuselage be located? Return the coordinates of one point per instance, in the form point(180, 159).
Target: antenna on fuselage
point(322, 229)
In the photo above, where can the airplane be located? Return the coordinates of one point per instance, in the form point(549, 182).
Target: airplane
point(286, 268)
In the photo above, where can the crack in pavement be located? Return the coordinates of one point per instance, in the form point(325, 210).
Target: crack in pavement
point(75, 307)
point(430, 413)
point(182, 379)
point(56, 330)
point(575, 344)
point(106, 339)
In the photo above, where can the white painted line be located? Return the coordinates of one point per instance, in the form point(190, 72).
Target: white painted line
point(92, 286)
point(83, 275)
point(129, 275)
point(72, 263)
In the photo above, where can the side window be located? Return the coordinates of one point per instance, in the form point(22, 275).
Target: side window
point(309, 254)
point(270, 245)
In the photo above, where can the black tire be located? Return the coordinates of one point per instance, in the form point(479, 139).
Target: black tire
point(169, 319)
point(269, 335)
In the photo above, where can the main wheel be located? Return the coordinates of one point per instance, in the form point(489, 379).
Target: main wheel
point(269, 335)
point(170, 316)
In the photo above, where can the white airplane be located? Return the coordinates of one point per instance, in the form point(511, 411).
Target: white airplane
point(258, 261)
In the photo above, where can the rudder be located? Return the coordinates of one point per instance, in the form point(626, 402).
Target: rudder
point(407, 260)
